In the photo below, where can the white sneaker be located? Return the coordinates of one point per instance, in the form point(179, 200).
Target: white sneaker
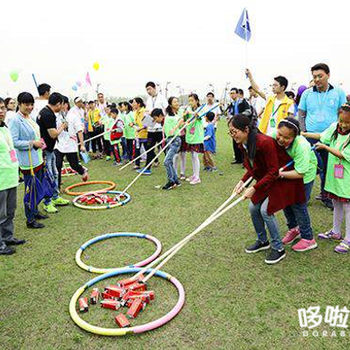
point(195, 181)
point(190, 178)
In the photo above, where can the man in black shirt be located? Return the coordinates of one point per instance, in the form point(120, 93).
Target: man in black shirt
point(49, 132)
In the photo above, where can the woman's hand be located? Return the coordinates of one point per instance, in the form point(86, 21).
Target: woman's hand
point(249, 192)
point(320, 146)
point(38, 144)
point(239, 188)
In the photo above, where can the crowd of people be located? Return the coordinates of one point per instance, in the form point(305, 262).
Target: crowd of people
point(283, 141)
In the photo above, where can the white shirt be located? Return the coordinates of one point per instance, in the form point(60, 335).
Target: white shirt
point(68, 140)
point(101, 108)
point(216, 111)
point(38, 106)
point(258, 103)
point(9, 116)
point(158, 101)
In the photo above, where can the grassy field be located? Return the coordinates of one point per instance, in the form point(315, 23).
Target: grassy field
point(233, 300)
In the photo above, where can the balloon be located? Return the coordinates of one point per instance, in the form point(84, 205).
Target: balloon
point(96, 66)
point(78, 83)
point(74, 87)
point(14, 76)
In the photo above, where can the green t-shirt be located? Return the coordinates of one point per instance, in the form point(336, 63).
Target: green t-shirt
point(129, 131)
point(171, 121)
point(194, 131)
point(108, 123)
point(305, 161)
point(8, 168)
point(339, 187)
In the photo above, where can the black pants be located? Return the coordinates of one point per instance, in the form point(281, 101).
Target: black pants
point(153, 138)
point(237, 152)
point(108, 147)
point(130, 149)
point(73, 161)
point(138, 152)
point(96, 143)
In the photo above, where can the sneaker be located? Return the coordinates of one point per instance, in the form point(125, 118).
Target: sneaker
point(108, 158)
point(178, 183)
point(168, 186)
point(328, 203)
point(189, 179)
point(195, 181)
point(182, 177)
point(304, 244)
point(343, 247)
point(85, 176)
point(206, 168)
point(214, 169)
point(257, 247)
point(275, 256)
point(35, 225)
point(136, 167)
point(5, 250)
point(144, 171)
point(14, 241)
point(291, 236)
point(50, 208)
point(60, 202)
point(117, 164)
point(330, 235)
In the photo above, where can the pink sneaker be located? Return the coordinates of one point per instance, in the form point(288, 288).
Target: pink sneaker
point(195, 181)
point(330, 235)
point(190, 178)
point(304, 244)
point(291, 235)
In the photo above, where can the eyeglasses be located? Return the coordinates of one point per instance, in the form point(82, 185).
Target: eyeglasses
point(233, 132)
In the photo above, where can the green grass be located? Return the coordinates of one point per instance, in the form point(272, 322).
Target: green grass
point(233, 300)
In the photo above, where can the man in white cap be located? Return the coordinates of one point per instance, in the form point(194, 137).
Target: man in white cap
point(67, 144)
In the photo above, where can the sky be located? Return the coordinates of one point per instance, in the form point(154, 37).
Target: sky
point(189, 43)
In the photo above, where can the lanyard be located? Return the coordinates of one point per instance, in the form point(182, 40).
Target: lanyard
point(7, 138)
point(33, 125)
point(154, 101)
point(321, 102)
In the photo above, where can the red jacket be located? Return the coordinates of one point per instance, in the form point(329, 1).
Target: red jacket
point(269, 158)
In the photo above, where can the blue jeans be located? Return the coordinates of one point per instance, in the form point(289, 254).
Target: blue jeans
point(260, 217)
point(51, 166)
point(322, 161)
point(169, 158)
point(298, 215)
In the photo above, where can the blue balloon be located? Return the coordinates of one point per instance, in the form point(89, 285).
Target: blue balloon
point(74, 87)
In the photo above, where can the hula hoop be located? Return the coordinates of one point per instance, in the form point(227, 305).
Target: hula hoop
point(107, 206)
point(111, 184)
point(113, 235)
point(130, 330)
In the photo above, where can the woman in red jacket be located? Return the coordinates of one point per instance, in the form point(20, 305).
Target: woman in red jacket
point(263, 159)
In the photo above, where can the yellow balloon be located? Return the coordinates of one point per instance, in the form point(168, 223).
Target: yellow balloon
point(96, 66)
